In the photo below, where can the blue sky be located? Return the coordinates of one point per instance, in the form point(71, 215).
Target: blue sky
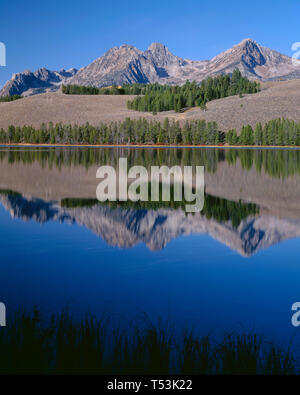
point(72, 33)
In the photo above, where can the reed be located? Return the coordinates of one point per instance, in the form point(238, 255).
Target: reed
point(62, 345)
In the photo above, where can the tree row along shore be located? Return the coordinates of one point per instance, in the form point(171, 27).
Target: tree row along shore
point(277, 132)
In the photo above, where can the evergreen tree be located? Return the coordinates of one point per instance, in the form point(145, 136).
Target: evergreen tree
point(258, 134)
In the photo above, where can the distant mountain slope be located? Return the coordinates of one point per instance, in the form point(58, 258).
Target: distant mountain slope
point(127, 64)
point(41, 81)
point(253, 60)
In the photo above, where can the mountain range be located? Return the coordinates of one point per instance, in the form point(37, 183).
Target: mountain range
point(125, 228)
point(127, 65)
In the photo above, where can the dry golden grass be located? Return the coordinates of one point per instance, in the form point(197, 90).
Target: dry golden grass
point(277, 99)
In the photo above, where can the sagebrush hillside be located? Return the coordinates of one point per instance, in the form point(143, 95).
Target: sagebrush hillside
point(276, 100)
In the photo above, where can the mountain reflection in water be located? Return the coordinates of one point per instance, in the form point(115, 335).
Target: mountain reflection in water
point(233, 266)
point(251, 198)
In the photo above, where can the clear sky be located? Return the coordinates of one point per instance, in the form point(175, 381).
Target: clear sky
point(72, 33)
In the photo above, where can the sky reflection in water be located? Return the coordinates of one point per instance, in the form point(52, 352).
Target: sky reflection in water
point(202, 271)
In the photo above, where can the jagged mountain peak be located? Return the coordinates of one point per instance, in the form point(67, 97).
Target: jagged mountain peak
point(129, 47)
point(40, 81)
point(25, 72)
point(162, 57)
point(68, 73)
point(157, 47)
point(71, 70)
point(254, 61)
point(251, 53)
point(45, 74)
point(238, 53)
point(124, 48)
point(247, 41)
point(128, 64)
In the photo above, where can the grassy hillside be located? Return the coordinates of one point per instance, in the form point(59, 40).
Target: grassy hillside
point(276, 100)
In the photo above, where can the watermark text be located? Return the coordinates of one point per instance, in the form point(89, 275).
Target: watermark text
point(296, 55)
point(2, 314)
point(2, 54)
point(161, 184)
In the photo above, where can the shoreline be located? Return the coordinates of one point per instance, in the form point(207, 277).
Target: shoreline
point(149, 146)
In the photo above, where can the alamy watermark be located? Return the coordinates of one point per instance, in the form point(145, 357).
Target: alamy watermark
point(137, 184)
point(296, 55)
point(296, 315)
point(2, 54)
point(2, 314)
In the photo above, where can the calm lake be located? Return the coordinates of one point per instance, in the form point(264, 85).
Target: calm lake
point(235, 265)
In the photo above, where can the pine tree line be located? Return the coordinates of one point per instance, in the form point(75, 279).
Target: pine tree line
point(159, 98)
point(134, 89)
point(278, 132)
point(10, 98)
point(130, 131)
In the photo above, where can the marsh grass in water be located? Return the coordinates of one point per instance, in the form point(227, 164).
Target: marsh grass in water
point(63, 345)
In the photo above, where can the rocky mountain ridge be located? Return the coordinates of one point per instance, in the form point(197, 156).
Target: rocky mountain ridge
point(127, 64)
point(40, 81)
